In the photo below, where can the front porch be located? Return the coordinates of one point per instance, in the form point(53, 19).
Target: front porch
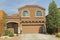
point(13, 27)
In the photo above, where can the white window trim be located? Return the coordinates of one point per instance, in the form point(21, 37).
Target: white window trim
point(36, 13)
point(23, 11)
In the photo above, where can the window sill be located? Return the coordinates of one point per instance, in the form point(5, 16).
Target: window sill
point(25, 16)
point(39, 16)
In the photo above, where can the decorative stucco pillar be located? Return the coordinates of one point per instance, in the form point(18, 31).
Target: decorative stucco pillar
point(44, 28)
point(19, 28)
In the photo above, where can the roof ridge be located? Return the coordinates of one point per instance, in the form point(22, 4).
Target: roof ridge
point(32, 6)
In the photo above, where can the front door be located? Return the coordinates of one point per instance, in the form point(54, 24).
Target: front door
point(15, 28)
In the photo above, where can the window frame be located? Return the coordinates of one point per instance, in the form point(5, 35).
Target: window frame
point(28, 13)
point(36, 13)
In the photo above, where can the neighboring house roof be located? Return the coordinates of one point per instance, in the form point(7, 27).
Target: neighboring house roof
point(9, 17)
point(32, 6)
point(13, 16)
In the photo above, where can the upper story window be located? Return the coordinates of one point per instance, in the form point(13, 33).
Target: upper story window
point(25, 13)
point(38, 13)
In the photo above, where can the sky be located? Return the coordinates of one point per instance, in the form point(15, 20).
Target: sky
point(11, 6)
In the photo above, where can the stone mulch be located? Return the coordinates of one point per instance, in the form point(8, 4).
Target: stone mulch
point(10, 38)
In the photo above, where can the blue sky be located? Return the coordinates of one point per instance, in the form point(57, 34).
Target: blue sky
point(11, 6)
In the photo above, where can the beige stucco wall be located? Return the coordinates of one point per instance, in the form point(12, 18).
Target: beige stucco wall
point(32, 12)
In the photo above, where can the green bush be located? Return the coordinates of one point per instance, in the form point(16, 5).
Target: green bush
point(7, 32)
point(20, 31)
point(58, 35)
point(11, 35)
point(50, 30)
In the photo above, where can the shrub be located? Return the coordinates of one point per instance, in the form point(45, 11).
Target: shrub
point(11, 35)
point(20, 31)
point(58, 35)
point(50, 30)
point(7, 32)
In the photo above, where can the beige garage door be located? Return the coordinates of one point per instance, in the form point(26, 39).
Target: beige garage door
point(31, 29)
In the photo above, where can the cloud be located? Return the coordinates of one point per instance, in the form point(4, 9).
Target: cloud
point(1, 4)
point(11, 6)
point(27, 2)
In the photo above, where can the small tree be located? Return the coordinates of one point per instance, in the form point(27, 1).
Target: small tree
point(5, 25)
point(52, 21)
point(58, 20)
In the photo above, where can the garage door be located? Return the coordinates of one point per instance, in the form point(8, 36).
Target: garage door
point(31, 29)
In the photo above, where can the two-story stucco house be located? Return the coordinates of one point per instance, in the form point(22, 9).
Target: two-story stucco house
point(31, 19)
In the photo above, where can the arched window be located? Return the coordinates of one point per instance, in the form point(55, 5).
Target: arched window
point(25, 13)
point(39, 13)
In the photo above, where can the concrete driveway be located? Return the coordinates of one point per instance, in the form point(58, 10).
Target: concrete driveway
point(32, 37)
point(38, 37)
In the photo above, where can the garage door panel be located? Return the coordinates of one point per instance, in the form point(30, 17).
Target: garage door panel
point(31, 29)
